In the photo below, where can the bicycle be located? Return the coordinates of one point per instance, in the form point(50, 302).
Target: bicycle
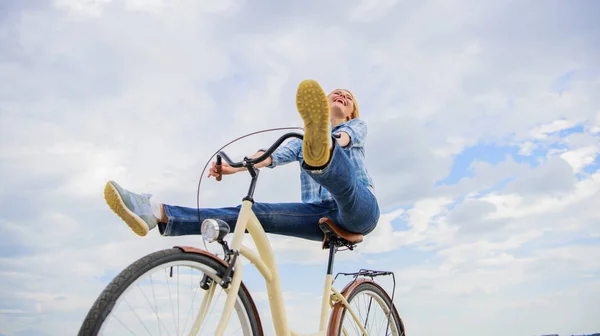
point(226, 273)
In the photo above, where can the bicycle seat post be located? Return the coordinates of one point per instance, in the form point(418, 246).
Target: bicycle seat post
point(332, 252)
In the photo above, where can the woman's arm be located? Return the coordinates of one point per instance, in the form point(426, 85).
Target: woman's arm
point(353, 133)
point(284, 154)
point(344, 139)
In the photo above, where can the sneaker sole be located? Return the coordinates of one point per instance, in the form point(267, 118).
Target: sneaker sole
point(313, 107)
point(115, 202)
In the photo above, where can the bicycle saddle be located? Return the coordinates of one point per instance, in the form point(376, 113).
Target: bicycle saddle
point(340, 236)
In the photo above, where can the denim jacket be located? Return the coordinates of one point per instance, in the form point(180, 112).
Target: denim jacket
point(311, 191)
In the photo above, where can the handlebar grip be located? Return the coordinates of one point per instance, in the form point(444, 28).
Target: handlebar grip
point(220, 176)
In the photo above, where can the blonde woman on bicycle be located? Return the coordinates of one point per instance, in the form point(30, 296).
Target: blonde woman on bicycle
point(335, 182)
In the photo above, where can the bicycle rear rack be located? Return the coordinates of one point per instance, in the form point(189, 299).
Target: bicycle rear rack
point(367, 273)
point(371, 274)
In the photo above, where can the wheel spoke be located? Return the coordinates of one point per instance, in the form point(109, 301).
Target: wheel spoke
point(156, 307)
point(192, 303)
point(170, 297)
point(138, 317)
point(153, 310)
point(368, 311)
point(123, 324)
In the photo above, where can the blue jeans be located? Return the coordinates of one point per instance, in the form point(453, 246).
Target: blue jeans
point(354, 207)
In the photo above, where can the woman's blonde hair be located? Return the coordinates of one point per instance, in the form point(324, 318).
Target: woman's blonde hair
point(355, 111)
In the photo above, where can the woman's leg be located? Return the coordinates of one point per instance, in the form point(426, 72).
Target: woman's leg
point(290, 219)
point(358, 210)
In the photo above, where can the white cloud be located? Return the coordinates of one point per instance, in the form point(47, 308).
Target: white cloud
point(527, 148)
point(514, 205)
point(543, 131)
point(581, 157)
point(454, 145)
point(426, 222)
point(382, 239)
point(423, 211)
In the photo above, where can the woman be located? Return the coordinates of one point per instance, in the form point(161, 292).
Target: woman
point(335, 181)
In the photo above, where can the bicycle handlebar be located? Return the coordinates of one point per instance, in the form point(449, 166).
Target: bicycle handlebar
point(261, 158)
point(246, 161)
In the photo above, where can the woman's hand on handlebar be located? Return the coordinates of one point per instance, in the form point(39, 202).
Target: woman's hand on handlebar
point(225, 170)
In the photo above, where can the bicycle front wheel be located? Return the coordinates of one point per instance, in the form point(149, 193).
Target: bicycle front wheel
point(371, 305)
point(169, 292)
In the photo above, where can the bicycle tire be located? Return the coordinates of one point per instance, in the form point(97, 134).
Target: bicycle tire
point(108, 297)
point(350, 292)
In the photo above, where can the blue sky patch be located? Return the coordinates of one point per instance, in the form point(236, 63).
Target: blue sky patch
point(400, 223)
point(493, 154)
point(490, 153)
point(593, 167)
point(571, 130)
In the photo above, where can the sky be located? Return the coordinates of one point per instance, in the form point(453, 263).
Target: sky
point(483, 144)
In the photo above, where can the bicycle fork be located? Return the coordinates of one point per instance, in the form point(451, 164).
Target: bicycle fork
point(232, 294)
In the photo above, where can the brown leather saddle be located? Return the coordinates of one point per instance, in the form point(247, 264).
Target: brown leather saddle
point(338, 236)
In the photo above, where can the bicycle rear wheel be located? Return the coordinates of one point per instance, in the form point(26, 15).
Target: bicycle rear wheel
point(372, 305)
point(141, 299)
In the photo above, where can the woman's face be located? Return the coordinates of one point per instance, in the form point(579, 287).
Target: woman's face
point(341, 104)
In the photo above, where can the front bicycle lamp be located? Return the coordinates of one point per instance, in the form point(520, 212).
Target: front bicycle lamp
point(214, 230)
